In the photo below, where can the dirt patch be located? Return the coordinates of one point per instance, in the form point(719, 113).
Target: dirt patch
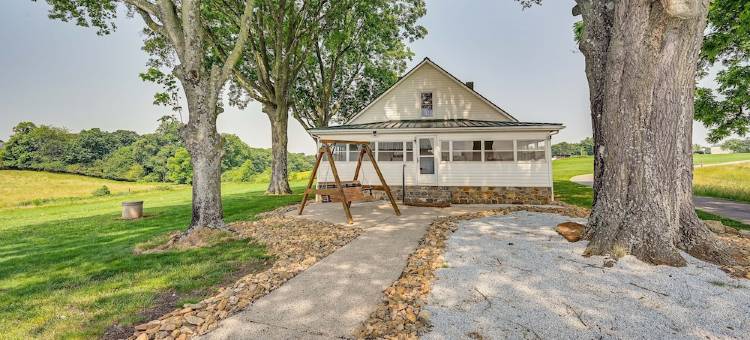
point(205, 237)
point(295, 244)
point(400, 315)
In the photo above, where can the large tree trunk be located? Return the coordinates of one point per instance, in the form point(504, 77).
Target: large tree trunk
point(204, 144)
point(279, 118)
point(641, 59)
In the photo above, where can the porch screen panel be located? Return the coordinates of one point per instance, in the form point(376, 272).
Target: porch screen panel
point(498, 150)
point(390, 151)
point(531, 150)
point(467, 151)
point(354, 152)
point(338, 151)
point(445, 151)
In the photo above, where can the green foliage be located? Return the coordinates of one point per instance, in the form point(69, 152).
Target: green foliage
point(726, 109)
point(361, 51)
point(180, 168)
point(737, 145)
point(578, 28)
point(583, 148)
point(124, 155)
point(102, 191)
point(36, 147)
point(300, 162)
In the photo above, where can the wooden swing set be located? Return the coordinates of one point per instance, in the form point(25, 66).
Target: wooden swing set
point(346, 191)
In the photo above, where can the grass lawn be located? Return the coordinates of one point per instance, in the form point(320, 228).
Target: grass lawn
point(22, 187)
point(67, 270)
point(726, 181)
point(715, 182)
point(713, 159)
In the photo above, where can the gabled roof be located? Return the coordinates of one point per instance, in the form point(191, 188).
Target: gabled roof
point(438, 124)
point(427, 61)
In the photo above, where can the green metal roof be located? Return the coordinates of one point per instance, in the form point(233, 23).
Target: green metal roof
point(433, 124)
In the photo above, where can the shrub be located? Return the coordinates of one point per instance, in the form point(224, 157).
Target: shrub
point(103, 191)
point(180, 170)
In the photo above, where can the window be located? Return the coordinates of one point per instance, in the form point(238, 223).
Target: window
point(445, 151)
point(395, 151)
point(391, 151)
point(467, 151)
point(426, 100)
point(338, 151)
point(498, 150)
point(531, 150)
point(409, 151)
point(354, 152)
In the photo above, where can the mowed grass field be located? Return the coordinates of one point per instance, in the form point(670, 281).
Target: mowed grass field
point(726, 181)
point(722, 181)
point(21, 188)
point(67, 269)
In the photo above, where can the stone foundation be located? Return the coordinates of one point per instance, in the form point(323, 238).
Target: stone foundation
point(436, 195)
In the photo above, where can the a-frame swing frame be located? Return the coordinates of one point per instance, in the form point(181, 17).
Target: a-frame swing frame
point(325, 149)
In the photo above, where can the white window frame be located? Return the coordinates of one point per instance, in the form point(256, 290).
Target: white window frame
point(542, 149)
point(419, 100)
point(376, 151)
point(481, 150)
point(450, 150)
point(484, 150)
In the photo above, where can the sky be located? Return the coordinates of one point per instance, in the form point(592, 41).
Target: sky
point(60, 74)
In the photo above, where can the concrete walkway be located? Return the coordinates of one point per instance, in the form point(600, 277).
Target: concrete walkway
point(331, 298)
point(730, 209)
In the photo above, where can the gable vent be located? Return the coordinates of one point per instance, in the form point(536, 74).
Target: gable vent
point(470, 84)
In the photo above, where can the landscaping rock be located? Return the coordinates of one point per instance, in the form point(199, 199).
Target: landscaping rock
point(571, 231)
point(715, 226)
point(193, 320)
point(295, 244)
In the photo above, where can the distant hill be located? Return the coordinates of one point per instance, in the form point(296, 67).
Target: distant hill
point(125, 155)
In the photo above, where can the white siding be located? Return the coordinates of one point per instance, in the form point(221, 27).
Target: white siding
point(450, 100)
point(500, 174)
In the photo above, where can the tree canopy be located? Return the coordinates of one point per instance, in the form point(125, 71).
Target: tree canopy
point(726, 109)
point(358, 53)
point(160, 156)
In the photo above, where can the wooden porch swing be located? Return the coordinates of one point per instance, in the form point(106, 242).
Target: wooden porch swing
point(348, 191)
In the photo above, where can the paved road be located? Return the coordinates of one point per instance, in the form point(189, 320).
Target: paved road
point(717, 206)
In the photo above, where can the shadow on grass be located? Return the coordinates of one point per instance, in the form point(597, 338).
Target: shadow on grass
point(74, 277)
point(573, 193)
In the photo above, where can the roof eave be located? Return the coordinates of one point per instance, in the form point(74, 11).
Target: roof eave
point(540, 128)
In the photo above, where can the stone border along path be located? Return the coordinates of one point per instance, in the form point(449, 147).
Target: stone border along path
point(295, 244)
point(401, 313)
point(334, 296)
point(730, 209)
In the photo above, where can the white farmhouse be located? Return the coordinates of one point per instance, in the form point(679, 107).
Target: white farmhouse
point(445, 143)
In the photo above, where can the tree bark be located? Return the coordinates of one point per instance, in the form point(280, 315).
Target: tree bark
point(278, 115)
point(204, 144)
point(641, 59)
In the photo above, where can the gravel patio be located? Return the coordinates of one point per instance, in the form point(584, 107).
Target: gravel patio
point(514, 277)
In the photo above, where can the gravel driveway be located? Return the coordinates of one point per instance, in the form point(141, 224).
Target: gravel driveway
point(513, 277)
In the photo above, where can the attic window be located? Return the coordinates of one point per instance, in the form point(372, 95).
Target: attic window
point(426, 104)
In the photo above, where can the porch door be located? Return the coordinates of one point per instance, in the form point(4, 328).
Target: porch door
point(427, 164)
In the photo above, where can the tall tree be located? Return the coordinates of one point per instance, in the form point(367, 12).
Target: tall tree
point(726, 110)
point(181, 26)
point(641, 61)
point(281, 35)
point(358, 53)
